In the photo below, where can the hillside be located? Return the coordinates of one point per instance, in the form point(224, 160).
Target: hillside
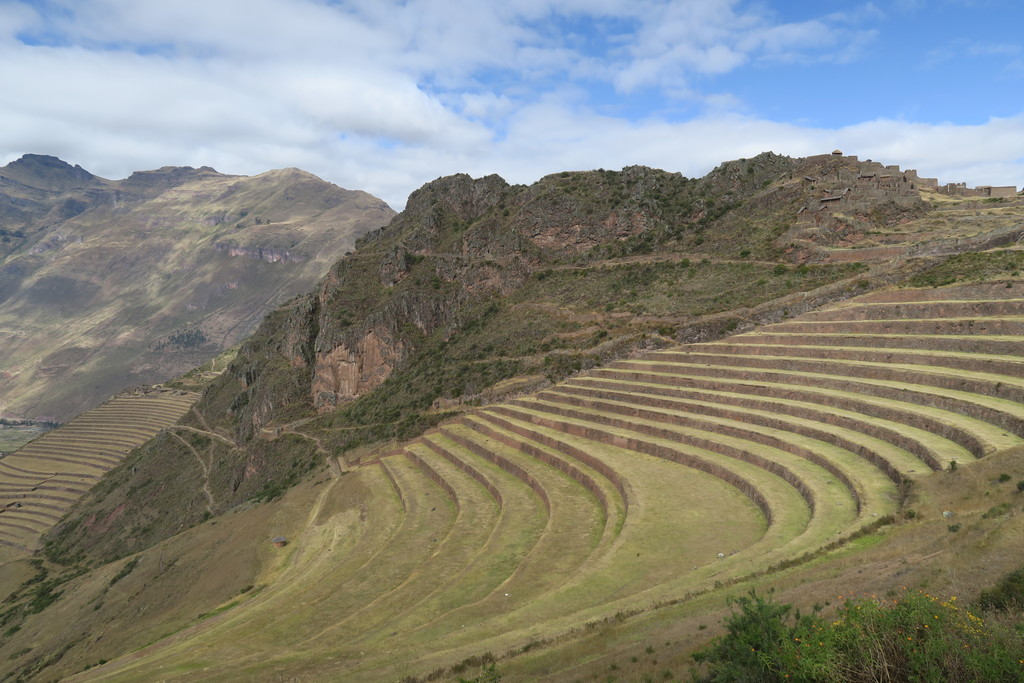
point(108, 284)
point(44, 478)
point(557, 425)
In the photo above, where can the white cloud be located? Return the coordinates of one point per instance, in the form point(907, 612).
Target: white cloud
point(385, 95)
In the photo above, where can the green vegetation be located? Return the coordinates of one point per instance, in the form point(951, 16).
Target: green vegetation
point(915, 637)
point(127, 569)
point(14, 436)
point(971, 267)
point(34, 595)
point(1008, 594)
point(678, 289)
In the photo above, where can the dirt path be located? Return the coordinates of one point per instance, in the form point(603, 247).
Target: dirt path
point(205, 466)
point(209, 433)
point(659, 258)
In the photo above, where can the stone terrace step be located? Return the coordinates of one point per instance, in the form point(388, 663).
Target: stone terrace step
point(99, 466)
point(522, 560)
point(584, 457)
point(556, 455)
point(862, 470)
point(416, 599)
point(1005, 414)
point(106, 459)
point(978, 292)
point(989, 344)
point(671, 524)
point(761, 484)
point(749, 477)
point(810, 477)
point(427, 519)
point(34, 518)
point(1004, 365)
point(976, 436)
point(577, 517)
point(13, 474)
point(1013, 327)
point(492, 529)
point(943, 377)
point(860, 476)
point(856, 310)
point(893, 447)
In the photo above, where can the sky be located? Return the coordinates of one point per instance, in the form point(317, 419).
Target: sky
point(386, 95)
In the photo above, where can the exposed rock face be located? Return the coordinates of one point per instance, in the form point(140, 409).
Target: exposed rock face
point(344, 373)
point(268, 254)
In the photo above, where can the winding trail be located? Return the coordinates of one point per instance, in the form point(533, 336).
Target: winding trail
point(210, 504)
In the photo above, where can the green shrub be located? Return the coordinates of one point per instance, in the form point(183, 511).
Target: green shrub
point(996, 511)
point(488, 674)
point(1008, 593)
point(125, 570)
point(914, 638)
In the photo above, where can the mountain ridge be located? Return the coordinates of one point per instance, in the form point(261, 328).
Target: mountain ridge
point(177, 247)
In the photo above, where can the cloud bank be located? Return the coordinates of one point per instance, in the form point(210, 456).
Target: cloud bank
point(384, 95)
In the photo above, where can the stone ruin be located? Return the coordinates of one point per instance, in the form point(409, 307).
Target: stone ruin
point(847, 190)
point(988, 191)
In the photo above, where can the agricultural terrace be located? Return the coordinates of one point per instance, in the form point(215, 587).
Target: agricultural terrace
point(41, 480)
point(627, 487)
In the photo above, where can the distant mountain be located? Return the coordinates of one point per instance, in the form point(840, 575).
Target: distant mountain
point(110, 283)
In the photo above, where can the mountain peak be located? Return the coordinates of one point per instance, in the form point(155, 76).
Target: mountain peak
point(47, 172)
point(166, 177)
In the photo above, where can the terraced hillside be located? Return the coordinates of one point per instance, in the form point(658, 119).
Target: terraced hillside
point(41, 480)
point(619, 491)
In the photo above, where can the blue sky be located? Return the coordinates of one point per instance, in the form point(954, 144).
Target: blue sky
point(384, 95)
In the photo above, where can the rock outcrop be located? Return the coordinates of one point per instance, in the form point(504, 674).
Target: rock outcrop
point(344, 373)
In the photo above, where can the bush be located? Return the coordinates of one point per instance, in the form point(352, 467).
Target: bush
point(914, 638)
point(1008, 593)
point(755, 630)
